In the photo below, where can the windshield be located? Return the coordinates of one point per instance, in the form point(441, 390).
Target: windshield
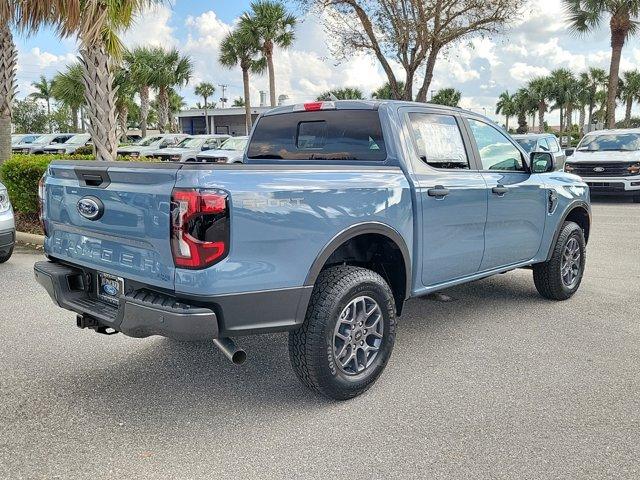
point(145, 142)
point(193, 142)
point(78, 140)
point(44, 139)
point(237, 143)
point(610, 142)
point(529, 144)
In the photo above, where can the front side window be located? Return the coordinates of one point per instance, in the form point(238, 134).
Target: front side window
point(543, 146)
point(496, 151)
point(438, 140)
point(553, 144)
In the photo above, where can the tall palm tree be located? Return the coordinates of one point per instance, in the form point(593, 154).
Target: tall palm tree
point(141, 63)
point(587, 15)
point(125, 89)
point(447, 96)
point(176, 105)
point(96, 24)
point(345, 93)
point(523, 103)
point(540, 90)
point(506, 106)
point(572, 99)
point(269, 25)
point(238, 48)
point(68, 88)
point(630, 92)
point(43, 92)
point(560, 79)
point(205, 90)
point(173, 70)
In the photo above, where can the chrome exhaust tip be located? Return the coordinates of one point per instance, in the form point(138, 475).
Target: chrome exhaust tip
point(231, 350)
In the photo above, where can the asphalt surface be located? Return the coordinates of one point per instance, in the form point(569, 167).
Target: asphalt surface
point(497, 383)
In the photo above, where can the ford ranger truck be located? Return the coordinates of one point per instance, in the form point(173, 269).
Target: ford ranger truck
point(342, 211)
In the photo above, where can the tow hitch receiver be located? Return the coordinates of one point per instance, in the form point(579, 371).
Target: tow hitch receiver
point(85, 321)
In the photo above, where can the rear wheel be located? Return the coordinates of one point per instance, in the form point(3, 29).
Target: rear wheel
point(560, 277)
point(348, 333)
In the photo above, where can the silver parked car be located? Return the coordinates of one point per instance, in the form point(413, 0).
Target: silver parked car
point(542, 142)
point(40, 143)
point(231, 151)
point(609, 162)
point(7, 226)
point(150, 144)
point(189, 148)
point(71, 145)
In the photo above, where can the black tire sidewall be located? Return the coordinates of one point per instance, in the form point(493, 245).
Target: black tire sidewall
point(576, 233)
point(329, 369)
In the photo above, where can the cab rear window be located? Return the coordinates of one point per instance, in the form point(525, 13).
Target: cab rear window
point(319, 135)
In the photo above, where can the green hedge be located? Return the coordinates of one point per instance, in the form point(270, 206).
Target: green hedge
point(21, 174)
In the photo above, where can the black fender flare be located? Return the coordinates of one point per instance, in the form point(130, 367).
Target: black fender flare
point(352, 232)
point(570, 208)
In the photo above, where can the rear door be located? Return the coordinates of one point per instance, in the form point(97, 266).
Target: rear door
point(516, 201)
point(130, 236)
point(451, 193)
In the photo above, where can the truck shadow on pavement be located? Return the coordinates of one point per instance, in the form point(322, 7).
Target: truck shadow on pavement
point(161, 380)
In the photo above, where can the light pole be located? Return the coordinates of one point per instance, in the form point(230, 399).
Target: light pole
point(223, 99)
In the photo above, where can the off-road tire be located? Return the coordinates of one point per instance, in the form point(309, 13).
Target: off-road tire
point(4, 256)
point(547, 276)
point(311, 346)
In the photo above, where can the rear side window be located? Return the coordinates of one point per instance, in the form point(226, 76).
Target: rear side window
point(321, 135)
point(438, 140)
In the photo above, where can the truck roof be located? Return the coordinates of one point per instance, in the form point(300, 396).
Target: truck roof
point(367, 105)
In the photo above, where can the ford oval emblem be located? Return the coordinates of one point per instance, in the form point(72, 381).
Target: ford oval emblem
point(110, 289)
point(598, 169)
point(90, 208)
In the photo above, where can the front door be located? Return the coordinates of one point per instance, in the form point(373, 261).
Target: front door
point(516, 200)
point(452, 197)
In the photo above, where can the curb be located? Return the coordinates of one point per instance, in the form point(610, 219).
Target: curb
point(30, 238)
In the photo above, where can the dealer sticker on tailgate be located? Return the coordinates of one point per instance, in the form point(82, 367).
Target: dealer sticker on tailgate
point(110, 287)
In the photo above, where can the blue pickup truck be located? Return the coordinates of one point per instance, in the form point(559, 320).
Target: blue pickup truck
point(341, 212)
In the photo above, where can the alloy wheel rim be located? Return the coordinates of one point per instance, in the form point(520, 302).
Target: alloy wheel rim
point(358, 335)
point(571, 263)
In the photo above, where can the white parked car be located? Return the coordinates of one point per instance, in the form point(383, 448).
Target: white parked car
point(7, 226)
point(189, 148)
point(71, 145)
point(41, 142)
point(609, 162)
point(231, 151)
point(17, 138)
point(150, 144)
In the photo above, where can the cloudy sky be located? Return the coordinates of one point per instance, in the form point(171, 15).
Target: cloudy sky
point(535, 44)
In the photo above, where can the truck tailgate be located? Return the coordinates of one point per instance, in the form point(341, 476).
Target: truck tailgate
point(130, 238)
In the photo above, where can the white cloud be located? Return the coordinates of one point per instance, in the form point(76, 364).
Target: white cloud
point(523, 72)
point(151, 27)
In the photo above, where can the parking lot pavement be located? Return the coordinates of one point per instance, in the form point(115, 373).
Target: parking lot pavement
point(497, 383)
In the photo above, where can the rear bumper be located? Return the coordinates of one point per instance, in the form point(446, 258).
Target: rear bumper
point(139, 313)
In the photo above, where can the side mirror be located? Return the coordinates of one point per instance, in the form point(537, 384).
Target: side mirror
point(542, 162)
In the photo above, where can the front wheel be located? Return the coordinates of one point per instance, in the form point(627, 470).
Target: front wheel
point(348, 333)
point(4, 256)
point(560, 277)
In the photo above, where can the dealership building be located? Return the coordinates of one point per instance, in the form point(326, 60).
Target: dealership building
point(229, 121)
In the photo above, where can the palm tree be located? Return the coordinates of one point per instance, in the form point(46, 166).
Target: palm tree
point(572, 99)
point(96, 25)
point(587, 15)
point(205, 90)
point(68, 88)
point(173, 70)
point(447, 96)
point(43, 92)
point(141, 63)
point(238, 48)
point(269, 25)
point(630, 92)
point(176, 105)
point(125, 89)
point(238, 102)
point(345, 93)
point(506, 106)
point(540, 90)
point(523, 104)
point(595, 79)
point(385, 92)
point(560, 80)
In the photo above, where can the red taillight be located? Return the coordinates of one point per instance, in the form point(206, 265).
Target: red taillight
point(199, 227)
point(312, 106)
point(41, 201)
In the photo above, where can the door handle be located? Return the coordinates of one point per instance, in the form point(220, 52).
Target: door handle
point(438, 191)
point(500, 190)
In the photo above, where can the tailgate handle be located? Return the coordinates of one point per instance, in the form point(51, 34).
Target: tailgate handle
point(93, 178)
